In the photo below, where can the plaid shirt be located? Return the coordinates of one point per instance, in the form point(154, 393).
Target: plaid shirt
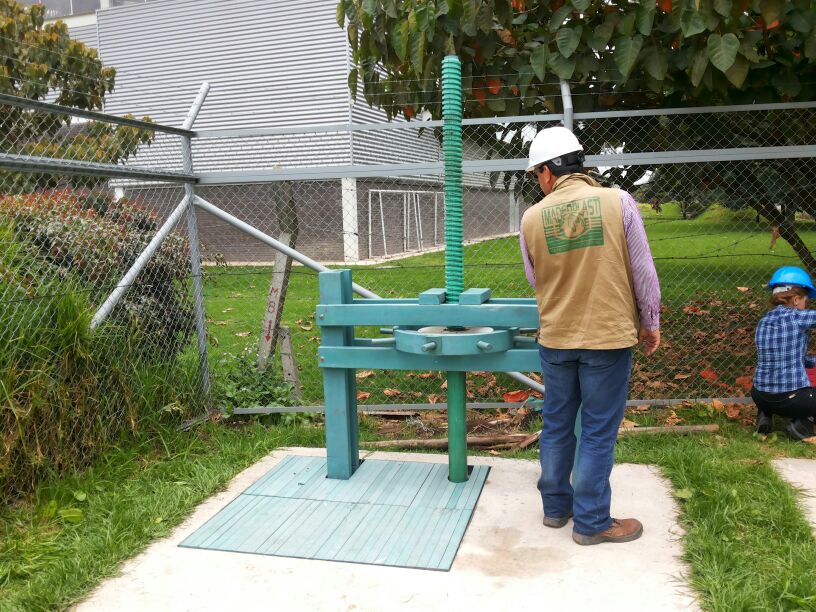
point(782, 341)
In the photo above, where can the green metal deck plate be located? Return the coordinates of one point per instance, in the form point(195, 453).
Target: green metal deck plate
point(398, 513)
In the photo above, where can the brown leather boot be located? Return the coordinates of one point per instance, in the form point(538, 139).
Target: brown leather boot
point(622, 530)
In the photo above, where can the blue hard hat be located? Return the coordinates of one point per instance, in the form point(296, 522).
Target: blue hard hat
point(791, 275)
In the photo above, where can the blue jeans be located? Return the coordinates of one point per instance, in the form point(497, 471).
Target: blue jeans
point(597, 381)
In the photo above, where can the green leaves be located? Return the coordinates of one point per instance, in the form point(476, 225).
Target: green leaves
point(723, 7)
point(722, 50)
point(559, 16)
point(399, 40)
point(626, 53)
point(645, 18)
point(771, 10)
point(563, 67)
point(738, 71)
point(371, 7)
point(352, 82)
point(416, 51)
point(581, 5)
point(469, 11)
point(538, 60)
point(568, 39)
point(71, 515)
point(684, 494)
point(602, 35)
point(341, 13)
point(656, 63)
point(691, 23)
point(810, 46)
point(699, 66)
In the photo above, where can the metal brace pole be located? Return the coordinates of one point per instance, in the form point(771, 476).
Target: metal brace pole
point(192, 232)
point(138, 265)
point(312, 264)
point(566, 99)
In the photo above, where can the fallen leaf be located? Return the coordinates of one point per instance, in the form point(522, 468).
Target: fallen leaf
point(709, 375)
point(732, 412)
point(516, 396)
point(71, 515)
point(656, 384)
point(695, 310)
point(746, 382)
point(305, 325)
point(444, 385)
point(427, 375)
point(627, 424)
point(681, 376)
point(810, 440)
point(683, 493)
point(364, 374)
point(718, 405)
point(744, 289)
point(363, 395)
point(391, 392)
point(226, 310)
point(220, 323)
point(673, 419)
point(243, 334)
point(433, 398)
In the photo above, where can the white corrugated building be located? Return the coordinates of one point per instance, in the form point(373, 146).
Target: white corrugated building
point(271, 63)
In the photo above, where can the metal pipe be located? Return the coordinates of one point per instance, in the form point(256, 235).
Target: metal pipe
point(138, 265)
point(275, 244)
point(566, 99)
point(535, 386)
point(457, 427)
point(310, 263)
point(192, 233)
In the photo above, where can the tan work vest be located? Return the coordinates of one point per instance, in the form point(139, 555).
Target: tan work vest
point(583, 276)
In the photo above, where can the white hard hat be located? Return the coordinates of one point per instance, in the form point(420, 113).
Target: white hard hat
point(550, 143)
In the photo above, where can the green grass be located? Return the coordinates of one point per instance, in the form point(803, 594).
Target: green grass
point(700, 260)
point(129, 499)
point(747, 543)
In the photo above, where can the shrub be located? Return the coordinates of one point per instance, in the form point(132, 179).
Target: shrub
point(88, 237)
point(67, 393)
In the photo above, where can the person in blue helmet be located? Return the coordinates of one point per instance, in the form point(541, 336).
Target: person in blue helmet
point(781, 385)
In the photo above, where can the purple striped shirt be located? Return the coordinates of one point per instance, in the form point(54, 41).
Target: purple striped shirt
point(644, 275)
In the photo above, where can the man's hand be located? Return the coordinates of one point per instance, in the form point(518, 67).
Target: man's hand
point(649, 341)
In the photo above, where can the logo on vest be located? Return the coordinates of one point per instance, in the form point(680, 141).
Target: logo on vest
point(573, 225)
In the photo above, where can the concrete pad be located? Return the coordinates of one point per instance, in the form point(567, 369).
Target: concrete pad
point(801, 473)
point(508, 559)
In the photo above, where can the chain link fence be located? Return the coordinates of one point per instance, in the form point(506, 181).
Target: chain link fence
point(106, 315)
point(724, 194)
point(97, 316)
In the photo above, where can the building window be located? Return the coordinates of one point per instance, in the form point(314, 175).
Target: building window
point(65, 8)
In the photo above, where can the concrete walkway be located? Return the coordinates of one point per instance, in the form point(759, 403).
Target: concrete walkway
point(801, 474)
point(507, 561)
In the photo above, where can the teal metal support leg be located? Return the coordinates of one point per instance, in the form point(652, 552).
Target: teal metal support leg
point(457, 428)
point(339, 384)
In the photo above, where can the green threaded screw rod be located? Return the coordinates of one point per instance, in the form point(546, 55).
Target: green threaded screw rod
point(452, 148)
point(454, 257)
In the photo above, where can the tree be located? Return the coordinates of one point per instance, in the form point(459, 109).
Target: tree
point(40, 61)
point(617, 54)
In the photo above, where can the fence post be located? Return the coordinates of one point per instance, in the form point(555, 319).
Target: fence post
point(195, 255)
point(566, 99)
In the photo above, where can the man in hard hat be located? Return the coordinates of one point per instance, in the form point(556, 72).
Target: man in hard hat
point(586, 255)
